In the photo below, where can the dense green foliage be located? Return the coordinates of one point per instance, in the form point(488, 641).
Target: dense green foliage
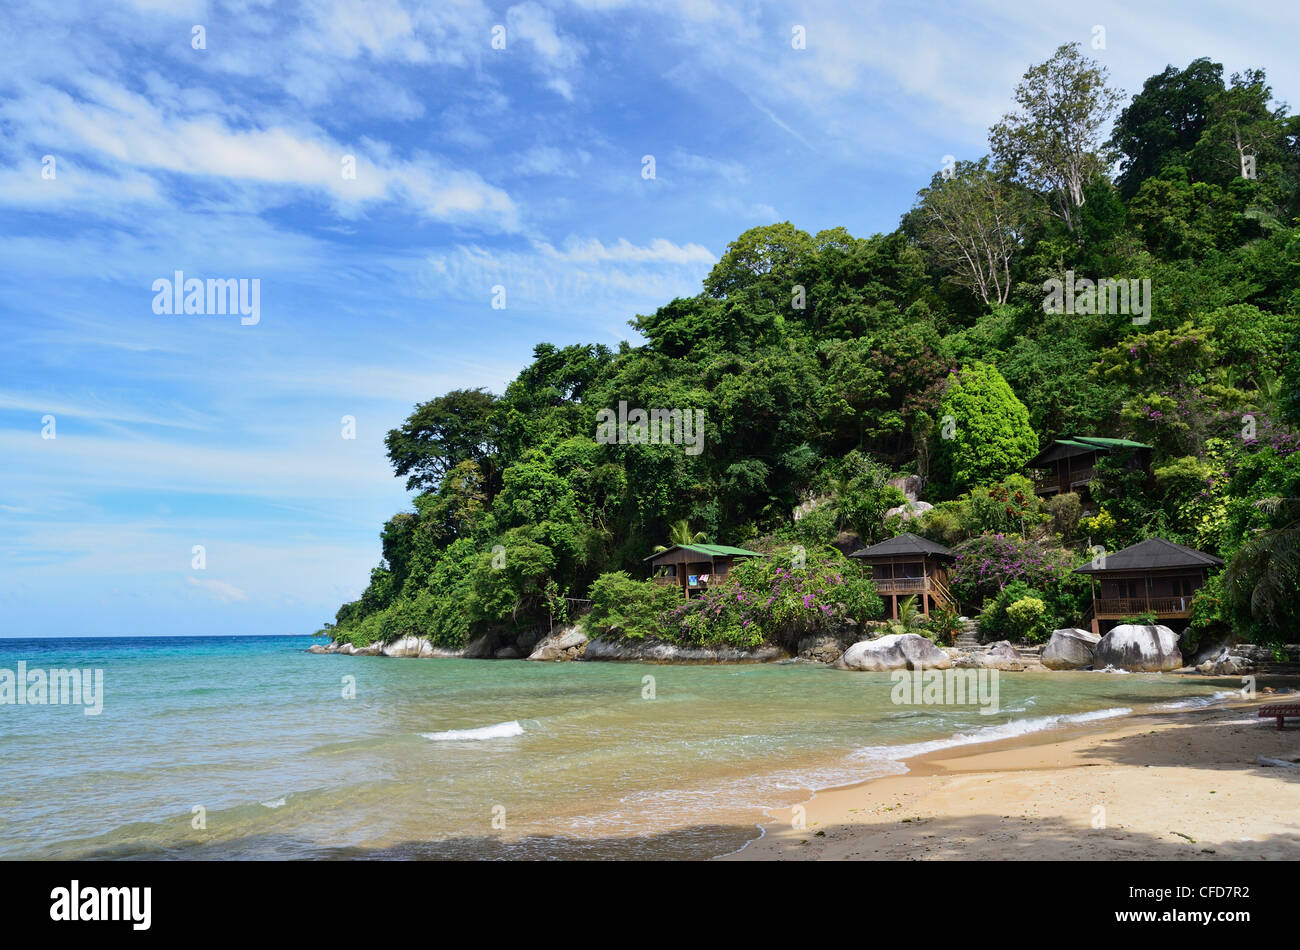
point(826, 363)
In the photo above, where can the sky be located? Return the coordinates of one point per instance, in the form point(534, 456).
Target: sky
point(492, 145)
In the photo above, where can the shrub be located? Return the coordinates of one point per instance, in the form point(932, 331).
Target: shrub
point(775, 599)
point(623, 607)
point(1146, 618)
point(994, 623)
point(987, 564)
point(1010, 505)
point(944, 625)
point(1027, 619)
point(816, 527)
point(1101, 528)
point(1065, 510)
point(942, 523)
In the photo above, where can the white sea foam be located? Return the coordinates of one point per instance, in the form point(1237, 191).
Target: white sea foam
point(501, 730)
point(1006, 730)
point(760, 793)
point(278, 803)
point(1193, 702)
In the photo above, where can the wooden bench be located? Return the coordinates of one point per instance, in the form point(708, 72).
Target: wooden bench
point(1280, 711)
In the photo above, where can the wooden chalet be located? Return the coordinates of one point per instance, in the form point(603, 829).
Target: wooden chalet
point(1071, 463)
point(1155, 576)
point(910, 565)
point(692, 567)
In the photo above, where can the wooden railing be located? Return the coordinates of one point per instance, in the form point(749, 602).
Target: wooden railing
point(915, 585)
point(901, 585)
point(941, 589)
point(1058, 483)
point(1111, 607)
point(1082, 476)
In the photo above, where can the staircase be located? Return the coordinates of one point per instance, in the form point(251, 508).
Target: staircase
point(968, 638)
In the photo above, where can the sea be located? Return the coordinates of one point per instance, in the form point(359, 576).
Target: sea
point(253, 748)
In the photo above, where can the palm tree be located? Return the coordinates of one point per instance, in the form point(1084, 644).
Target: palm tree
point(910, 619)
point(681, 533)
point(1263, 578)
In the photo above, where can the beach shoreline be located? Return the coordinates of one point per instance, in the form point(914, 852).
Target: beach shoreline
point(1154, 784)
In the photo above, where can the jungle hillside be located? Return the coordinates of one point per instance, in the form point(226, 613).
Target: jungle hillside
point(828, 367)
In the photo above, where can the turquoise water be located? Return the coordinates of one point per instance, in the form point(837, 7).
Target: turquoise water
point(463, 758)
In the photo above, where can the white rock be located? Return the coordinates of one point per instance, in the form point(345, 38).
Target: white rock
point(895, 651)
point(910, 510)
point(1139, 648)
point(1002, 656)
point(1070, 649)
point(404, 646)
point(565, 645)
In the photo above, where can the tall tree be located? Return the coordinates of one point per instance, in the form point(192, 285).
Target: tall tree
point(1240, 125)
point(972, 221)
point(1164, 121)
point(1053, 142)
point(441, 433)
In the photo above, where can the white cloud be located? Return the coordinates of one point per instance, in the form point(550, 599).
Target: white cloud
point(557, 55)
point(226, 593)
point(658, 251)
point(118, 126)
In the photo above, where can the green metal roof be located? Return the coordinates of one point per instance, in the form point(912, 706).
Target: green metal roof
point(709, 550)
point(1078, 444)
point(1111, 443)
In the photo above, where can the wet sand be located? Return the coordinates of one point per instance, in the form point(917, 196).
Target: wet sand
point(1182, 783)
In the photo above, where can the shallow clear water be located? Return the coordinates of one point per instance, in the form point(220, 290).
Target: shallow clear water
point(564, 759)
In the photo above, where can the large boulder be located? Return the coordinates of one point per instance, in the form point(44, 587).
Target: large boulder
point(894, 651)
point(480, 648)
point(404, 646)
point(1139, 648)
point(909, 485)
point(910, 510)
point(1070, 649)
point(1002, 656)
point(820, 649)
point(568, 644)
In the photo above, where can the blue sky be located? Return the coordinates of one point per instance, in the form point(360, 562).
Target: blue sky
point(475, 167)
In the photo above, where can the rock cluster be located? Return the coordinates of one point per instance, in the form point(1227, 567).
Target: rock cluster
point(568, 644)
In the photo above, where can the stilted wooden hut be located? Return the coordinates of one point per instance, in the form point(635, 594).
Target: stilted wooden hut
point(1154, 576)
point(910, 565)
point(1071, 463)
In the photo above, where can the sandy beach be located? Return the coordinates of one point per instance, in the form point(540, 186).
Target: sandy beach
point(1182, 783)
